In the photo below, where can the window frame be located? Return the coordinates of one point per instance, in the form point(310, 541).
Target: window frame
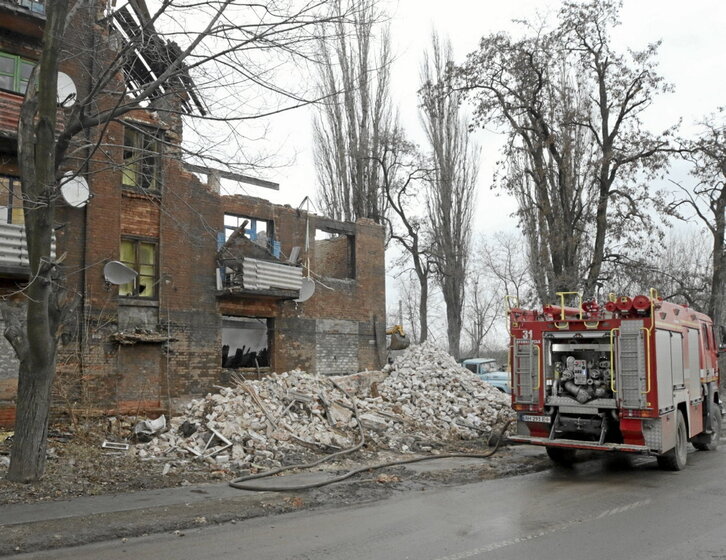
point(141, 158)
point(19, 85)
point(15, 193)
point(134, 292)
point(254, 226)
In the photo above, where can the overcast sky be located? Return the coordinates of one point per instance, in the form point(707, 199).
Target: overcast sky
point(691, 57)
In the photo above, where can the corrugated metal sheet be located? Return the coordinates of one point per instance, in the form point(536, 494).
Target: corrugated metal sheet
point(10, 104)
point(13, 248)
point(9, 112)
point(264, 275)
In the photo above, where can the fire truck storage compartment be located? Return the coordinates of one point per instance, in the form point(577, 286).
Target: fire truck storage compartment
point(669, 363)
point(577, 369)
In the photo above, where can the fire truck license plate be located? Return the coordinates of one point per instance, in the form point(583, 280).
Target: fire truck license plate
point(532, 418)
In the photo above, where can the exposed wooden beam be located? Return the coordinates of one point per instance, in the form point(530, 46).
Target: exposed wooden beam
point(232, 176)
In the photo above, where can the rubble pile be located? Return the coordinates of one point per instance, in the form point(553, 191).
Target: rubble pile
point(441, 396)
point(424, 398)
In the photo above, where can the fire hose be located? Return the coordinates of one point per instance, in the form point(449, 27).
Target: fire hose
point(241, 482)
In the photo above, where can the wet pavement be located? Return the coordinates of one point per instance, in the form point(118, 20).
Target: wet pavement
point(597, 510)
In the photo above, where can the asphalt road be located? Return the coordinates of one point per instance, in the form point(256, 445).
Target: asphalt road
point(597, 510)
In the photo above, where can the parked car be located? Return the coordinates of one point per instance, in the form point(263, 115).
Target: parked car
point(498, 379)
point(488, 370)
point(480, 365)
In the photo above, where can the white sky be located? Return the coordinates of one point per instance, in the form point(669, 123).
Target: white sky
point(691, 57)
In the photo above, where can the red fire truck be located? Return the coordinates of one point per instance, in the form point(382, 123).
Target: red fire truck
point(636, 375)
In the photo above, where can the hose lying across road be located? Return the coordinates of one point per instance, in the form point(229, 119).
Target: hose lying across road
point(240, 483)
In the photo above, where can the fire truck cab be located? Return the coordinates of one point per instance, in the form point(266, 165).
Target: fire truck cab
point(636, 375)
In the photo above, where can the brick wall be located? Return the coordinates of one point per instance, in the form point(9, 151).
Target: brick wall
point(334, 257)
point(332, 332)
point(336, 346)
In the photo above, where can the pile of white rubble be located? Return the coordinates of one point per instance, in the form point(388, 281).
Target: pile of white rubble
point(424, 398)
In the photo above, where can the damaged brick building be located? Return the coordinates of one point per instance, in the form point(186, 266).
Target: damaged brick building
point(221, 283)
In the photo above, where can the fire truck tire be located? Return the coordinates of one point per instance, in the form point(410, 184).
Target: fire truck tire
point(561, 456)
point(709, 442)
point(675, 459)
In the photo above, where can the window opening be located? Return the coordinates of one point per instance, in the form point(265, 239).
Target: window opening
point(36, 6)
point(245, 342)
point(141, 257)
point(334, 255)
point(258, 231)
point(11, 200)
point(14, 72)
point(141, 161)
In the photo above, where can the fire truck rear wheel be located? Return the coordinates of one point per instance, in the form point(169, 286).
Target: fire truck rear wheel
point(675, 459)
point(709, 442)
point(561, 456)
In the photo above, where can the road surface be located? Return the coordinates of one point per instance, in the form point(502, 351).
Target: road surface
point(597, 510)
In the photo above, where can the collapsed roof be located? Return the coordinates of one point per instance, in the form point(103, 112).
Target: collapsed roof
point(150, 56)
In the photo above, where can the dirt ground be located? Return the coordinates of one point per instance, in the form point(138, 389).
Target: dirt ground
point(77, 465)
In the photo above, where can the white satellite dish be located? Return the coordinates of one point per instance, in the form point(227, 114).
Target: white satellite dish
point(307, 289)
point(118, 273)
point(75, 190)
point(66, 90)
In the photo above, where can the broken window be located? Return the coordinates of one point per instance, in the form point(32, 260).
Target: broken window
point(141, 161)
point(256, 230)
point(139, 255)
point(245, 342)
point(14, 72)
point(334, 254)
point(36, 6)
point(11, 200)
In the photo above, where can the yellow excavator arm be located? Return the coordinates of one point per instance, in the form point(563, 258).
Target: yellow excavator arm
point(399, 340)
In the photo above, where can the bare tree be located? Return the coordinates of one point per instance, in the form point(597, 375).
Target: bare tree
point(506, 264)
point(679, 268)
point(453, 182)
point(220, 39)
point(707, 200)
point(354, 80)
point(483, 308)
point(409, 297)
point(402, 173)
point(580, 156)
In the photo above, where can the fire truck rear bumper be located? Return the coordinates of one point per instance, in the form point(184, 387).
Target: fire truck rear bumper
point(577, 444)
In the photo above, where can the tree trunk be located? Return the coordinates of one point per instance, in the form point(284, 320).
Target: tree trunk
point(716, 300)
point(36, 150)
point(423, 308)
point(453, 326)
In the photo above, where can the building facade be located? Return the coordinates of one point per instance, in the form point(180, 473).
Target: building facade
point(222, 285)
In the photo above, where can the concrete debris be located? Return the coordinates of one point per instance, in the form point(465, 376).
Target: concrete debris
point(424, 398)
point(146, 429)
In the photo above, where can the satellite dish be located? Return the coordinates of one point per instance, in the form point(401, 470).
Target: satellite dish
point(75, 191)
point(118, 273)
point(307, 289)
point(66, 90)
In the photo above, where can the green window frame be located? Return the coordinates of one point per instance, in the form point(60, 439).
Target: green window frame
point(141, 160)
point(141, 256)
point(14, 72)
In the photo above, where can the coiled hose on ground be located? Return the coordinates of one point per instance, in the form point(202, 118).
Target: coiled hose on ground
point(241, 482)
